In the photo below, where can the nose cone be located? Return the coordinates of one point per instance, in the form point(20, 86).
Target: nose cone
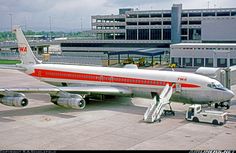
point(230, 94)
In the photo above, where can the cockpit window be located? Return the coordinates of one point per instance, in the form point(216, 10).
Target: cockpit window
point(219, 85)
point(215, 85)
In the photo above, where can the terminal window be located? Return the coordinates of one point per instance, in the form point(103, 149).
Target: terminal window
point(176, 61)
point(187, 61)
point(155, 34)
point(143, 34)
point(198, 61)
point(197, 14)
point(184, 31)
point(194, 34)
point(232, 62)
point(155, 15)
point(166, 34)
point(209, 62)
point(132, 16)
point(184, 14)
point(131, 34)
point(221, 62)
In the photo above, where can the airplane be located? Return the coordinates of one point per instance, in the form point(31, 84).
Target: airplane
point(90, 80)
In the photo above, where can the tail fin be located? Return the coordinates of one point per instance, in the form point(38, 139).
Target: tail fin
point(26, 54)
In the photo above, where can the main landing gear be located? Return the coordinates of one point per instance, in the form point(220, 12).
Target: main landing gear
point(168, 112)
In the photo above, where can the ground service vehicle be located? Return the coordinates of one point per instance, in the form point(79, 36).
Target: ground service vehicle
point(196, 114)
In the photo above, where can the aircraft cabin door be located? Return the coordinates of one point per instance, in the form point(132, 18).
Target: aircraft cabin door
point(178, 87)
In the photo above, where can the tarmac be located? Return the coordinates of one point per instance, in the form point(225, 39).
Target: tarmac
point(112, 124)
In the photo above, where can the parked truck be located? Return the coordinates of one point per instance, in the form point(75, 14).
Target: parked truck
point(196, 114)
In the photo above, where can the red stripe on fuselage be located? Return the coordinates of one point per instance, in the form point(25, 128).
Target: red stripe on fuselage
point(103, 78)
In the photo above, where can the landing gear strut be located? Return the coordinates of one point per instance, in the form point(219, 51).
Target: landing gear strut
point(169, 111)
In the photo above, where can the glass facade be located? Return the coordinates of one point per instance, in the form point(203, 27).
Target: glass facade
point(232, 62)
point(198, 61)
point(155, 34)
point(143, 34)
point(221, 62)
point(131, 34)
point(166, 34)
point(187, 62)
point(194, 34)
point(209, 62)
point(176, 61)
point(175, 24)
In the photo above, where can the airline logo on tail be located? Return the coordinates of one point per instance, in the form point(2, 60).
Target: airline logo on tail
point(22, 49)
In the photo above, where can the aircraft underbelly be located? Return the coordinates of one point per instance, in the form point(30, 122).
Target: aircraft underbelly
point(190, 97)
point(185, 96)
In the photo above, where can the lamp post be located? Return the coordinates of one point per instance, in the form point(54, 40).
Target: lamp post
point(227, 72)
point(50, 27)
point(10, 14)
point(10, 36)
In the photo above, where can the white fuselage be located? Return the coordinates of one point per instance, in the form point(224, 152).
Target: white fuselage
point(190, 88)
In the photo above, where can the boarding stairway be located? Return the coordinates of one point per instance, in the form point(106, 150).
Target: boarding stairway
point(156, 108)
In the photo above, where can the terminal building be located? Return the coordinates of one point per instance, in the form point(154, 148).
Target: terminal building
point(203, 54)
point(133, 30)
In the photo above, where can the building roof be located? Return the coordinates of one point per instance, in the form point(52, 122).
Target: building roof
point(145, 52)
point(204, 44)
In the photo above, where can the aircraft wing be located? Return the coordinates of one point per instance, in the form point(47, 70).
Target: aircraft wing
point(71, 97)
point(104, 90)
point(12, 67)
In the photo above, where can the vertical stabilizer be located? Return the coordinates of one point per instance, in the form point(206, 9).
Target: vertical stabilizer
point(26, 54)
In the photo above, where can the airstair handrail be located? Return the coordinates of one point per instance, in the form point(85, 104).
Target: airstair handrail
point(164, 91)
point(150, 108)
point(164, 100)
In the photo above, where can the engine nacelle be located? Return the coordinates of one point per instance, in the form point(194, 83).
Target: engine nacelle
point(69, 101)
point(16, 100)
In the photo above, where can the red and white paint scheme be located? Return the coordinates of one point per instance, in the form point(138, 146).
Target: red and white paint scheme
point(189, 87)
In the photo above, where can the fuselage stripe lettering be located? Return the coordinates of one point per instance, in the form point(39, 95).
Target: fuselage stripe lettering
point(103, 78)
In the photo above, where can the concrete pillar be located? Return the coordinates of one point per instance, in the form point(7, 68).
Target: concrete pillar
point(228, 59)
point(119, 58)
point(214, 59)
point(108, 60)
point(227, 78)
point(193, 62)
point(176, 23)
point(160, 59)
point(152, 61)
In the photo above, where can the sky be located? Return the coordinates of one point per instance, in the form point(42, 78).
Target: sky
point(75, 15)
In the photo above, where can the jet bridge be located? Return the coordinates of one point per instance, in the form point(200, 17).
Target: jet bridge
point(227, 76)
point(156, 108)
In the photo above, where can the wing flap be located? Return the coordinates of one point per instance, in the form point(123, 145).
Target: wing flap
point(104, 90)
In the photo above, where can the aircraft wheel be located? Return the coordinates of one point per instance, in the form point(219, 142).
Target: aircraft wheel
point(216, 105)
point(227, 106)
point(87, 99)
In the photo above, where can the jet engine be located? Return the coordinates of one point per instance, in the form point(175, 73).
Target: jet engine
point(69, 101)
point(14, 99)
